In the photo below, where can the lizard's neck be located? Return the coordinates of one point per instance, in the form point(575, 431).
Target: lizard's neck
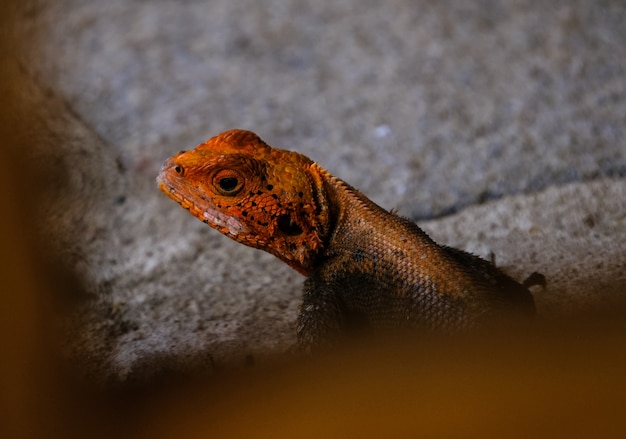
point(354, 220)
point(346, 209)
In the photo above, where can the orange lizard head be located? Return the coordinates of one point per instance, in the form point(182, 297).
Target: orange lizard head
point(261, 196)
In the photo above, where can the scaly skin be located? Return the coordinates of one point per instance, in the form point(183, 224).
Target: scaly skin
point(365, 267)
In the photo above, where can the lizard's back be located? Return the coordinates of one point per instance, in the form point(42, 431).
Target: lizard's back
point(385, 272)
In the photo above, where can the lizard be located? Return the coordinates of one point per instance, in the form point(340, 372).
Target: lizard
point(367, 269)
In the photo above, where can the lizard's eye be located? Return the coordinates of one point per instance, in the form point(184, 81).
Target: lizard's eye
point(228, 182)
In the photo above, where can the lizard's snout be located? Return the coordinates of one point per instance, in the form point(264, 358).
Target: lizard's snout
point(169, 170)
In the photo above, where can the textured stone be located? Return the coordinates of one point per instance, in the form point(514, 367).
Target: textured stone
point(427, 107)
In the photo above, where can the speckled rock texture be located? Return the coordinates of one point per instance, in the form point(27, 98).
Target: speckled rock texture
point(509, 116)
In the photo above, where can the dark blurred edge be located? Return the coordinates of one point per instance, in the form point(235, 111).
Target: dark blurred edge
point(34, 401)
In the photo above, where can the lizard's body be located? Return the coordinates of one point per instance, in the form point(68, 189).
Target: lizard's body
point(365, 266)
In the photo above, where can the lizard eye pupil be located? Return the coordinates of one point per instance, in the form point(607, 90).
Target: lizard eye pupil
point(228, 184)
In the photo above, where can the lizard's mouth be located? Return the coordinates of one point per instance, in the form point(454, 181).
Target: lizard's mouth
point(202, 209)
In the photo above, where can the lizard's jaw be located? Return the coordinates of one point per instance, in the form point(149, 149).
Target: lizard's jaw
point(202, 209)
point(228, 225)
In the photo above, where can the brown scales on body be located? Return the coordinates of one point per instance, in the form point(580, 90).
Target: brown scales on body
point(365, 266)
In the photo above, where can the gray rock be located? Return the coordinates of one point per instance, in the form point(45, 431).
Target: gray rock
point(427, 107)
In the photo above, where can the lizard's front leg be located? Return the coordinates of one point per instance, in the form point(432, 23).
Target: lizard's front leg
point(322, 316)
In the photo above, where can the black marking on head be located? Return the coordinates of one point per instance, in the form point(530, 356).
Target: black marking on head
point(288, 226)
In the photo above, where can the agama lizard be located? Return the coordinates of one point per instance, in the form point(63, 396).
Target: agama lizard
point(365, 267)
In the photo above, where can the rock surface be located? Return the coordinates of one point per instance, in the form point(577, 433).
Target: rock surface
point(513, 108)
